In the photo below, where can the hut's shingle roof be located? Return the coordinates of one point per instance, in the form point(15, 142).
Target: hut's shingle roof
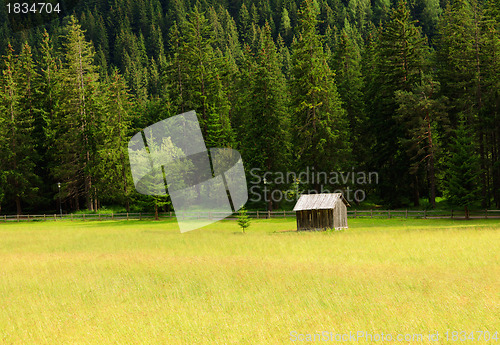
point(323, 201)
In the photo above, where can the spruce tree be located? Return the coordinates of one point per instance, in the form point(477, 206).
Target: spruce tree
point(463, 170)
point(113, 175)
point(423, 115)
point(347, 64)
point(78, 119)
point(201, 77)
point(462, 72)
point(266, 121)
point(491, 108)
point(319, 122)
point(401, 58)
point(18, 161)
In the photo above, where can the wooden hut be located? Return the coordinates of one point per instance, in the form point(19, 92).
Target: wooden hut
point(321, 211)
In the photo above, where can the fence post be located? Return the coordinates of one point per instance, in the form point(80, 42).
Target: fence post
point(55, 217)
point(72, 217)
point(268, 214)
point(486, 213)
point(170, 214)
point(371, 213)
point(389, 213)
point(406, 214)
point(355, 213)
point(127, 215)
point(140, 215)
point(84, 217)
point(257, 214)
point(425, 214)
point(284, 214)
point(18, 218)
point(44, 217)
point(99, 215)
point(29, 216)
point(112, 216)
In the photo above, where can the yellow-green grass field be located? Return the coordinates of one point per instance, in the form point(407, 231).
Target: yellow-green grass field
point(143, 282)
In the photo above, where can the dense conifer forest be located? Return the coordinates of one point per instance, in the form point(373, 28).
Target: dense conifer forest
point(407, 89)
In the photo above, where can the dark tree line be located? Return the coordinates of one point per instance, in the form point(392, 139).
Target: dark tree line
point(407, 89)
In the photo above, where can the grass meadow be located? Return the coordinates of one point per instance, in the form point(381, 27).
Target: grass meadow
point(143, 282)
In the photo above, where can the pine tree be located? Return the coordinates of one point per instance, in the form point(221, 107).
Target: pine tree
point(201, 77)
point(423, 115)
point(156, 45)
point(78, 119)
point(285, 58)
point(48, 88)
point(381, 10)
point(457, 59)
point(347, 64)
point(245, 24)
point(491, 98)
point(285, 26)
point(462, 72)
point(113, 176)
point(463, 170)
point(18, 161)
point(266, 122)
point(427, 12)
point(243, 220)
point(320, 124)
point(177, 70)
point(401, 58)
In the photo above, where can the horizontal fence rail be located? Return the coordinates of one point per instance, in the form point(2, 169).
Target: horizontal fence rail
point(432, 214)
point(375, 213)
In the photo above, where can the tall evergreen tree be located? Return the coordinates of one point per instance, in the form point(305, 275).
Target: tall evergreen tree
point(347, 64)
point(423, 116)
point(18, 161)
point(265, 130)
point(202, 79)
point(78, 119)
point(48, 91)
point(320, 124)
point(462, 73)
point(401, 57)
point(462, 174)
point(113, 179)
point(491, 99)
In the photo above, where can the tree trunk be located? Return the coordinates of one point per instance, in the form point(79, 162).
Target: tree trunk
point(156, 212)
point(466, 212)
point(416, 193)
point(431, 171)
point(432, 182)
point(18, 204)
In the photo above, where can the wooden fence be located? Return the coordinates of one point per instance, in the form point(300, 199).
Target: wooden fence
point(422, 214)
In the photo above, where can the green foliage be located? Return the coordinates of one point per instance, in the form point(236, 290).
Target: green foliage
point(327, 84)
point(265, 101)
point(319, 121)
point(463, 170)
point(423, 116)
point(350, 81)
point(400, 59)
point(19, 157)
point(243, 220)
